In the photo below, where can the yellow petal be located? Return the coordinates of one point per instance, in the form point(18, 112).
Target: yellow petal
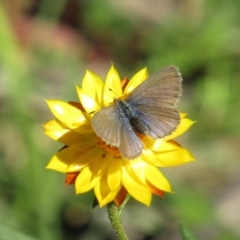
point(89, 104)
point(135, 189)
point(64, 158)
point(129, 166)
point(85, 129)
point(92, 173)
point(85, 181)
point(57, 134)
point(172, 154)
point(86, 158)
point(174, 158)
point(156, 178)
point(103, 193)
point(160, 145)
point(184, 125)
point(138, 168)
point(183, 115)
point(69, 115)
point(149, 157)
point(138, 78)
point(93, 86)
point(54, 125)
point(68, 137)
point(58, 165)
point(109, 198)
point(112, 87)
point(58, 131)
point(114, 174)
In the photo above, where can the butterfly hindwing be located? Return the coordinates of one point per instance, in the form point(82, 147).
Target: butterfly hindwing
point(158, 122)
point(155, 101)
point(107, 126)
point(130, 145)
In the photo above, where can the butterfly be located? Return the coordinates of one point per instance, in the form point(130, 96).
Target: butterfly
point(150, 109)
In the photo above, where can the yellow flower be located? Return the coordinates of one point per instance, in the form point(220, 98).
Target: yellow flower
point(89, 163)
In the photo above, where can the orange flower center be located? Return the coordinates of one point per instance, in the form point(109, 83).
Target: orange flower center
point(108, 148)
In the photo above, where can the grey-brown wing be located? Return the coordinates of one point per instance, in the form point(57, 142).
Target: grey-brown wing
point(162, 89)
point(106, 124)
point(158, 122)
point(130, 145)
point(154, 102)
point(117, 131)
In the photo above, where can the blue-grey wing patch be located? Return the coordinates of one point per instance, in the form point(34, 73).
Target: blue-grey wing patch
point(106, 125)
point(158, 122)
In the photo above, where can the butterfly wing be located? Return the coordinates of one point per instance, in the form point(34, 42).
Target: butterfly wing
point(130, 145)
point(155, 100)
point(162, 89)
point(153, 103)
point(107, 126)
point(157, 122)
point(116, 131)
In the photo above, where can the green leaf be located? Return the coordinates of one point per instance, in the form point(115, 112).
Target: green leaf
point(186, 233)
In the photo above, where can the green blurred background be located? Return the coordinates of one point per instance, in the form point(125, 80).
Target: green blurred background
point(45, 48)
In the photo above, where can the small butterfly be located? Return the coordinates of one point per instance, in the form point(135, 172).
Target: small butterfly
point(150, 109)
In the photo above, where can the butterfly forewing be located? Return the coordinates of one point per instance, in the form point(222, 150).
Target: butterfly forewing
point(107, 126)
point(162, 89)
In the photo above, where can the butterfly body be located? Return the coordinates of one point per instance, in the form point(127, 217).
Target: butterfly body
point(128, 112)
point(150, 109)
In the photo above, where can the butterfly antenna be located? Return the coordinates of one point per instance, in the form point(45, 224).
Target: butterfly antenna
point(113, 92)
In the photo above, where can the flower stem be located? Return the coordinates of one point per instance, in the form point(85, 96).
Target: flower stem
point(114, 213)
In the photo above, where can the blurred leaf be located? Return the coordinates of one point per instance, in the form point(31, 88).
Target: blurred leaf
point(8, 233)
point(186, 233)
point(190, 205)
point(51, 9)
point(11, 57)
point(14, 63)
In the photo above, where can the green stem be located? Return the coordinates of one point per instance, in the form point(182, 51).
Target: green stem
point(123, 205)
point(114, 213)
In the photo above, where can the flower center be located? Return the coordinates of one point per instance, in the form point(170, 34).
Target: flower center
point(108, 148)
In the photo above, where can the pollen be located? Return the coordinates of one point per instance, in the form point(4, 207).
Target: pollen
point(108, 148)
